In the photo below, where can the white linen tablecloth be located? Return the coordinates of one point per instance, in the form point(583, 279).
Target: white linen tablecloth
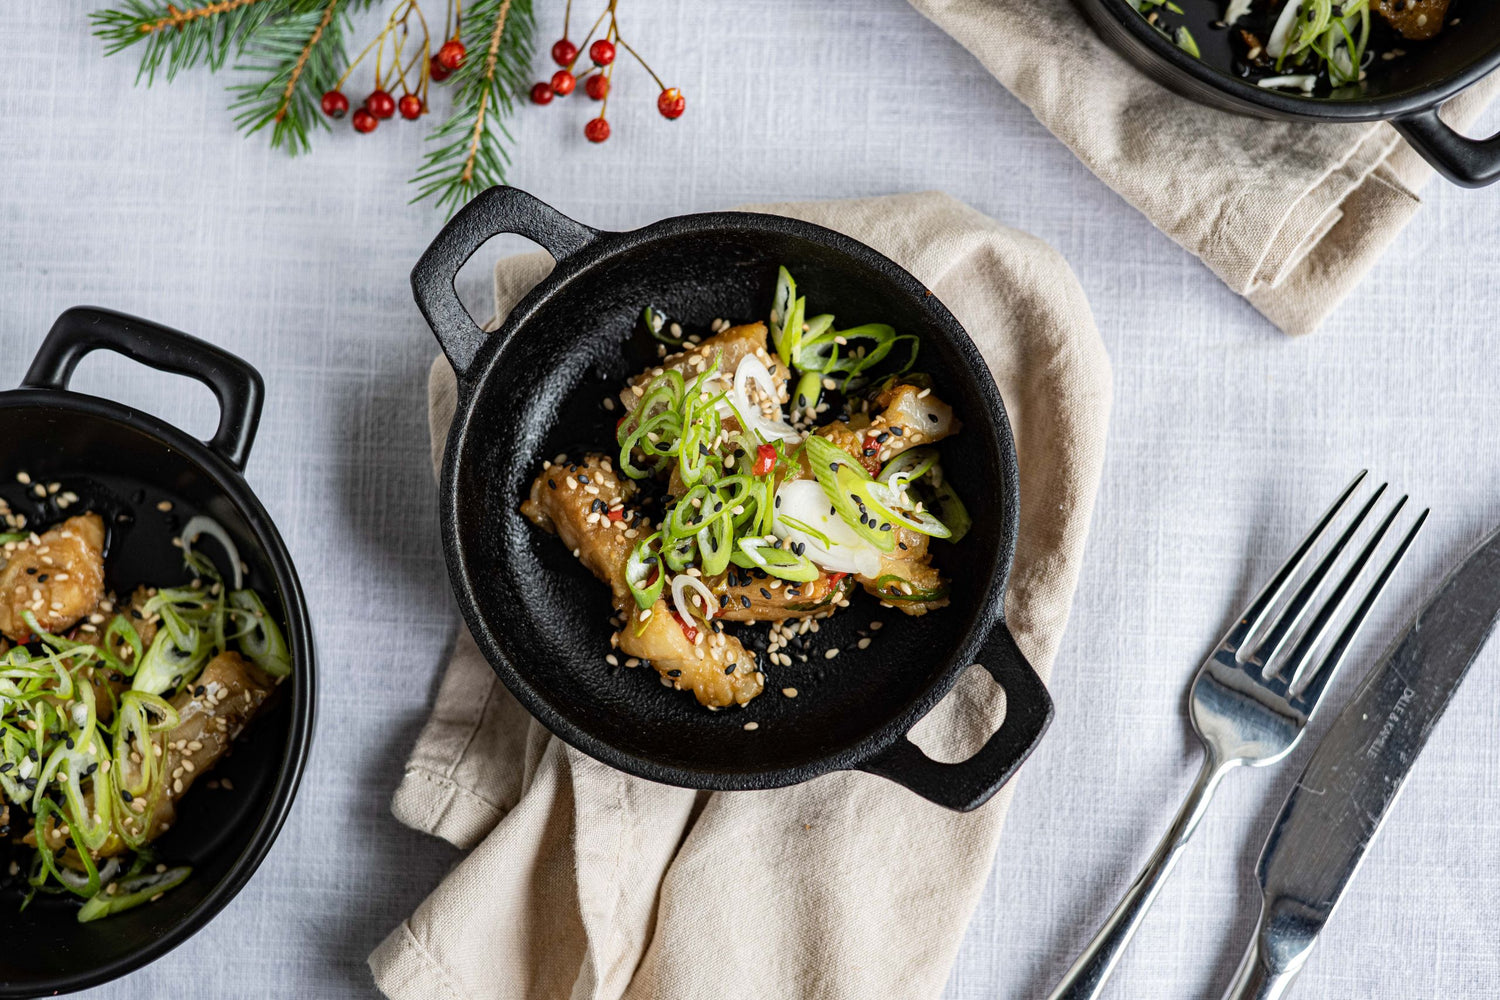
point(1226, 439)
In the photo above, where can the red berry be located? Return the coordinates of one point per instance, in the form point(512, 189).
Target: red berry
point(438, 71)
point(410, 107)
point(602, 52)
point(541, 93)
point(671, 103)
point(335, 104)
point(364, 121)
point(381, 104)
point(564, 52)
point(597, 86)
point(451, 55)
point(563, 83)
point(597, 130)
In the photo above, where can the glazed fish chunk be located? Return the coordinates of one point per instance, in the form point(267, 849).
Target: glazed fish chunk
point(227, 695)
point(575, 500)
point(730, 347)
point(58, 576)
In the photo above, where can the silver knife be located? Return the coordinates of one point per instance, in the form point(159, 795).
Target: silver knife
point(1338, 805)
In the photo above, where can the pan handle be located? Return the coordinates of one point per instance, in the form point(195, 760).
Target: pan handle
point(969, 784)
point(84, 329)
point(1464, 161)
point(492, 212)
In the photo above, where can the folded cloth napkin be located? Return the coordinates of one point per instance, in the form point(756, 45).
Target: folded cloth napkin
point(1290, 215)
point(586, 883)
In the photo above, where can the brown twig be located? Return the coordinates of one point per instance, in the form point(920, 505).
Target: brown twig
point(291, 84)
point(484, 98)
point(177, 17)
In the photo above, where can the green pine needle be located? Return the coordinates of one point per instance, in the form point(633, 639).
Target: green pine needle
point(298, 56)
point(176, 40)
point(469, 153)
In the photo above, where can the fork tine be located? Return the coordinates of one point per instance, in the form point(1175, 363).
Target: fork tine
point(1302, 656)
point(1325, 670)
point(1281, 632)
point(1255, 615)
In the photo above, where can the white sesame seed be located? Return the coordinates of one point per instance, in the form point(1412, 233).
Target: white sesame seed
point(831, 653)
point(752, 726)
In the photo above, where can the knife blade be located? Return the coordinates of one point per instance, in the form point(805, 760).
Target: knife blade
point(1338, 805)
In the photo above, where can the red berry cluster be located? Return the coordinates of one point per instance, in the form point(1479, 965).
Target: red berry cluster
point(597, 78)
point(381, 105)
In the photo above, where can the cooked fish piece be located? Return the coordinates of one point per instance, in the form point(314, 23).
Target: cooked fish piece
point(907, 579)
point(901, 416)
point(755, 596)
point(710, 663)
point(563, 501)
point(730, 347)
point(575, 501)
point(57, 576)
point(228, 694)
point(1414, 19)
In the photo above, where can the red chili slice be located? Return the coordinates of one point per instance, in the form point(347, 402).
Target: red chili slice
point(616, 514)
point(765, 459)
point(688, 630)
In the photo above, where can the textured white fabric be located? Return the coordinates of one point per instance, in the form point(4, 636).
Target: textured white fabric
point(1226, 438)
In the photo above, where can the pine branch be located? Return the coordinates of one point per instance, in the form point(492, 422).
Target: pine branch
point(181, 38)
point(299, 56)
point(470, 150)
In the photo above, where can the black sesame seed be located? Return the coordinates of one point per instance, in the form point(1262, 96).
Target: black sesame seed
point(6, 767)
point(744, 600)
point(898, 431)
point(902, 545)
point(933, 417)
point(125, 794)
point(765, 593)
point(551, 484)
point(199, 691)
point(882, 436)
point(674, 673)
point(886, 526)
point(730, 669)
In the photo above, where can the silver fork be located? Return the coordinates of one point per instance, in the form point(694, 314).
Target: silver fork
point(1248, 712)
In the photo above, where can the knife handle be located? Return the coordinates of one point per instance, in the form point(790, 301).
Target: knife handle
point(1270, 965)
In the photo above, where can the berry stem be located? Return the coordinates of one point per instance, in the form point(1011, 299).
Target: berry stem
point(567, 17)
point(626, 46)
point(291, 83)
point(584, 47)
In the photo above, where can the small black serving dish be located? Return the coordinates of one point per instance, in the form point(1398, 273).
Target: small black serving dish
point(533, 389)
point(128, 467)
point(1407, 92)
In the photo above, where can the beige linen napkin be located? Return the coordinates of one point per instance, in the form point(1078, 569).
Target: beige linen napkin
point(1290, 215)
point(586, 883)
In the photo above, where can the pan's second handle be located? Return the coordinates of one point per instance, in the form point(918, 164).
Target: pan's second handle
point(84, 329)
point(492, 212)
point(1465, 161)
point(969, 784)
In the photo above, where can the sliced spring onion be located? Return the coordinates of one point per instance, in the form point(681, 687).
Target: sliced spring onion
point(261, 639)
point(171, 660)
point(919, 468)
point(752, 369)
point(660, 325)
point(809, 390)
point(782, 300)
point(643, 571)
point(132, 892)
point(763, 553)
point(840, 476)
point(890, 588)
point(681, 583)
point(202, 525)
point(6, 537)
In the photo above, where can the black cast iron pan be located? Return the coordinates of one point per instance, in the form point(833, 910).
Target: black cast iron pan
point(123, 463)
point(1408, 92)
point(534, 387)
